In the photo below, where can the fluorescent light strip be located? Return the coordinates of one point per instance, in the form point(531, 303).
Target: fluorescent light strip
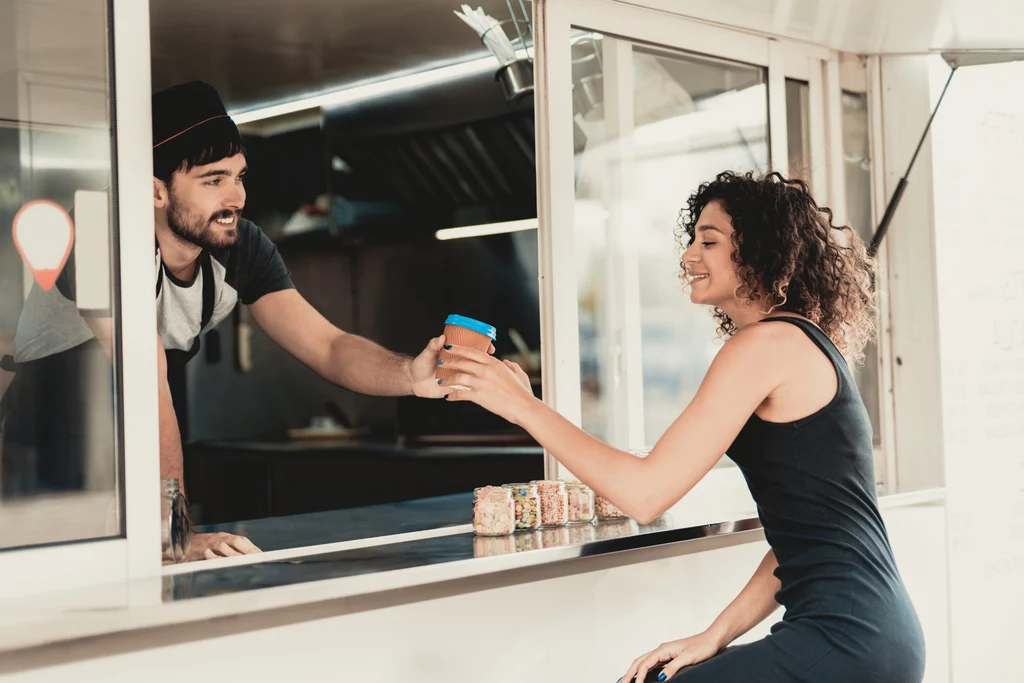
point(486, 229)
point(369, 90)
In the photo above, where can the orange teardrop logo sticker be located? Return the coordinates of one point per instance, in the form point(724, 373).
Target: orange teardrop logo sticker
point(44, 234)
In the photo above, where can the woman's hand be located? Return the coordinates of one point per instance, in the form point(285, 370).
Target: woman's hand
point(677, 654)
point(499, 386)
point(423, 367)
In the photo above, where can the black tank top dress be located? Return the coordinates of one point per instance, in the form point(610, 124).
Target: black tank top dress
point(848, 618)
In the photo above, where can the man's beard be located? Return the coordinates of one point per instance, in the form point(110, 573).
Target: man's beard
point(191, 227)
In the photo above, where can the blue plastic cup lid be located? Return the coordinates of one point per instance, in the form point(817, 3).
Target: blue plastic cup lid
point(470, 324)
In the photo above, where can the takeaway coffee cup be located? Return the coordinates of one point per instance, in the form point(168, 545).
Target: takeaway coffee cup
point(462, 331)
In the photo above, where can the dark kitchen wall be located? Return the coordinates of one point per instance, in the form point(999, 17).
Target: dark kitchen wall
point(286, 171)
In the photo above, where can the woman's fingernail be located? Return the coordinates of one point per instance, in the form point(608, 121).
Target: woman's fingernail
point(441, 362)
point(448, 346)
point(662, 677)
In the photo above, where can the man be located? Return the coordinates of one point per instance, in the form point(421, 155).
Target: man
point(209, 258)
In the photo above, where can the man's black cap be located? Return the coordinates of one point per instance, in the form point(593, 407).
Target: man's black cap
point(188, 118)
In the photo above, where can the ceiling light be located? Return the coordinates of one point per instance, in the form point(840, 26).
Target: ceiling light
point(368, 90)
point(486, 229)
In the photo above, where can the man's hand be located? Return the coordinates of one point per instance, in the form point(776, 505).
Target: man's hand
point(212, 546)
point(423, 368)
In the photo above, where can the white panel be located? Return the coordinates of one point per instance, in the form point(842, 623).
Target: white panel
point(555, 198)
point(981, 339)
point(632, 22)
point(886, 471)
point(137, 275)
point(866, 26)
point(624, 374)
point(835, 196)
point(92, 250)
point(912, 279)
point(62, 567)
point(818, 129)
point(69, 102)
point(777, 121)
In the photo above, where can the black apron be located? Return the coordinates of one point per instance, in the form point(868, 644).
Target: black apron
point(177, 359)
point(58, 408)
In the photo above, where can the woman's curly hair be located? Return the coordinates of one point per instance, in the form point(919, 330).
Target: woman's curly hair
point(788, 251)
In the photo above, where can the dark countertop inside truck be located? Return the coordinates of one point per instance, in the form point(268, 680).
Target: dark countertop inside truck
point(230, 481)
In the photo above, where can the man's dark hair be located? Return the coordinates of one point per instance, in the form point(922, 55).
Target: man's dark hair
point(165, 165)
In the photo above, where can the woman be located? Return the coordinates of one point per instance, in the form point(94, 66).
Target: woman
point(793, 294)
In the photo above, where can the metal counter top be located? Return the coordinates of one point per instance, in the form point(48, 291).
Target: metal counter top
point(336, 526)
point(409, 449)
point(460, 554)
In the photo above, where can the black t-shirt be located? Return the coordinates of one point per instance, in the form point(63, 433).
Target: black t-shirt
point(244, 272)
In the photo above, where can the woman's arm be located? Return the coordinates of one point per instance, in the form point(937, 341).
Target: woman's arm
point(742, 375)
point(752, 606)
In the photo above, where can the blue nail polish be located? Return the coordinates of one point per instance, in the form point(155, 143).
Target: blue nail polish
point(662, 677)
point(448, 347)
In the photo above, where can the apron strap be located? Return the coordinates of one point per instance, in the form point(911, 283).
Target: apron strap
point(209, 301)
point(209, 290)
point(176, 359)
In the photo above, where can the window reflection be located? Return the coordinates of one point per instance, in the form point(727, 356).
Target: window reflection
point(857, 177)
point(693, 117)
point(58, 445)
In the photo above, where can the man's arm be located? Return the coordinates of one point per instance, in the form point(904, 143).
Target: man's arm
point(348, 360)
point(201, 546)
point(171, 460)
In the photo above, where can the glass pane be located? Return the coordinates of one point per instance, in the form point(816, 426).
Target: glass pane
point(58, 426)
point(798, 129)
point(644, 143)
point(857, 174)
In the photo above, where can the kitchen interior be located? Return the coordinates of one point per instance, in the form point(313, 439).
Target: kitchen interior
point(379, 198)
point(357, 199)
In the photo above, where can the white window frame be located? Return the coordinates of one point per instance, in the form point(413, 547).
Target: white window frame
point(885, 462)
point(136, 554)
point(554, 21)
